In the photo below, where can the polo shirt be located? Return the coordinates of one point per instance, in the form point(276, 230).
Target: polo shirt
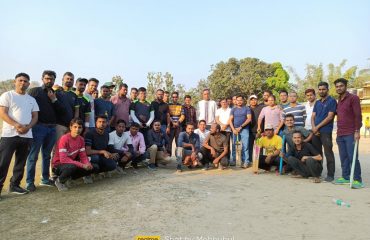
point(299, 113)
point(322, 109)
point(160, 111)
point(307, 150)
point(349, 117)
point(104, 107)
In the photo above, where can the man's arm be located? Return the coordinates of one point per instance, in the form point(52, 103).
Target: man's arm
point(5, 117)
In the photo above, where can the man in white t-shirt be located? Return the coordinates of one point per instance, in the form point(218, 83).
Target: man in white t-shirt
point(202, 131)
point(120, 142)
point(207, 109)
point(92, 86)
point(222, 118)
point(311, 99)
point(19, 112)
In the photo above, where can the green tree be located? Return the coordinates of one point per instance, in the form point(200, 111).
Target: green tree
point(279, 81)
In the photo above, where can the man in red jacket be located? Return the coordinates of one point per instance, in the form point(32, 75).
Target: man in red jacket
point(70, 160)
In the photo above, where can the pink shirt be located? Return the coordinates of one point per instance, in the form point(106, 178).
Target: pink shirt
point(272, 115)
point(138, 142)
point(121, 107)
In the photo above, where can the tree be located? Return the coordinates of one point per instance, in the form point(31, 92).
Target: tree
point(6, 85)
point(279, 81)
point(117, 80)
point(156, 80)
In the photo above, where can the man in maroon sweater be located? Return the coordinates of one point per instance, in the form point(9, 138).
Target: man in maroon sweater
point(349, 122)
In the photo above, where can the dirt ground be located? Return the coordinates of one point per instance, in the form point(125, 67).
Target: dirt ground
point(230, 204)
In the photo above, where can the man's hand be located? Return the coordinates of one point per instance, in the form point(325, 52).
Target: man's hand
point(357, 136)
point(87, 166)
point(168, 130)
point(314, 130)
point(213, 152)
point(276, 132)
point(52, 95)
point(106, 154)
point(304, 158)
point(114, 156)
point(281, 154)
point(268, 159)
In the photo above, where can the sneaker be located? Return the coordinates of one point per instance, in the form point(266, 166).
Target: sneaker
point(232, 164)
point(88, 180)
point(31, 187)
point(328, 179)
point(61, 186)
point(357, 185)
point(205, 167)
point(47, 183)
point(249, 165)
point(152, 166)
point(134, 165)
point(120, 170)
point(341, 181)
point(17, 190)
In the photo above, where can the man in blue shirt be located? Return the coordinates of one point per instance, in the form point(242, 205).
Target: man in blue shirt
point(103, 106)
point(188, 147)
point(240, 118)
point(322, 127)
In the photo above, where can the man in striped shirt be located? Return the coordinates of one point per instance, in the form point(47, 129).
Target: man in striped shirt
point(296, 109)
point(177, 116)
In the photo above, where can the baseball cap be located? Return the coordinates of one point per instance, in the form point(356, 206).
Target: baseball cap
point(253, 96)
point(269, 127)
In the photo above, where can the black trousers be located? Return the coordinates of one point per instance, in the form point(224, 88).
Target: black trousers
point(309, 168)
point(252, 137)
point(326, 140)
point(207, 157)
point(8, 146)
point(275, 161)
point(174, 134)
point(71, 171)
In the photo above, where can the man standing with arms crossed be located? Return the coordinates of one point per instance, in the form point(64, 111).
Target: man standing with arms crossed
point(322, 122)
point(207, 109)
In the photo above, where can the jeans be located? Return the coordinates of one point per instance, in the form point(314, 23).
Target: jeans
point(244, 138)
point(157, 155)
point(346, 145)
point(8, 146)
point(207, 157)
point(326, 140)
point(102, 163)
point(44, 138)
point(367, 129)
point(309, 168)
point(252, 137)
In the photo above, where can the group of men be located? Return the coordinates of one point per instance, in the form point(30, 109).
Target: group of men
point(83, 135)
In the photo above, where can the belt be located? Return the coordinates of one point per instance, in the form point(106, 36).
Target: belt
point(49, 125)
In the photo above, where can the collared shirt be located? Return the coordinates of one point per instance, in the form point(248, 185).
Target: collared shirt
point(84, 107)
point(190, 115)
point(49, 112)
point(121, 108)
point(309, 110)
point(307, 150)
point(270, 145)
point(157, 138)
point(322, 108)
point(349, 118)
point(141, 110)
point(160, 111)
point(255, 114)
point(92, 109)
point(218, 142)
point(69, 99)
point(289, 134)
point(138, 142)
point(104, 107)
point(272, 115)
point(186, 138)
point(207, 111)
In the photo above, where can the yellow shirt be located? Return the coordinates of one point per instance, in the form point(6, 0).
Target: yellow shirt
point(367, 123)
point(271, 145)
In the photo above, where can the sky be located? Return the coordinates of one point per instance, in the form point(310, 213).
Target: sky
point(131, 38)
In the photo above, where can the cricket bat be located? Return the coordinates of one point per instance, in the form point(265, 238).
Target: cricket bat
point(256, 156)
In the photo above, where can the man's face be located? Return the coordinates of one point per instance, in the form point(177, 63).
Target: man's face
point(48, 81)
point(21, 83)
point(157, 126)
point(269, 133)
point(224, 103)
point(123, 91)
point(187, 101)
point(133, 94)
point(239, 101)
point(265, 96)
point(289, 122)
point(75, 129)
point(68, 81)
point(293, 97)
point(202, 126)
point(175, 98)
point(297, 138)
point(134, 130)
point(213, 128)
point(105, 92)
point(189, 129)
point(205, 95)
point(271, 101)
point(234, 100)
point(323, 91)
point(310, 97)
point(142, 96)
point(159, 95)
point(253, 102)
point(101, 123)
point(229, 102)
point(283, 97)
point(340, 88)
point(166, 96)
point(120, 128)
point(92, 86)
point(80, 87)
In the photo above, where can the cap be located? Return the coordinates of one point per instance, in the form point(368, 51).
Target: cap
point(109, 84)
point(269, 126)
point(252, 96)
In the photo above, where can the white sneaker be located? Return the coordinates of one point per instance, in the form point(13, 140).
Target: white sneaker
point(61, 187)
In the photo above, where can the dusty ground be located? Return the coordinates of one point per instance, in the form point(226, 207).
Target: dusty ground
point(215, 204)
